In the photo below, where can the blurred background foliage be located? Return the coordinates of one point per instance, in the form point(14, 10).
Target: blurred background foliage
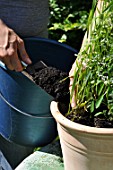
point(68, 19)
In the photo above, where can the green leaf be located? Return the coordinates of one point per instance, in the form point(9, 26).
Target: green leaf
point(99, 113)
point(92, 107)
point(100, 89)
point(99, 101)
point(92, 11)
point(111, 108)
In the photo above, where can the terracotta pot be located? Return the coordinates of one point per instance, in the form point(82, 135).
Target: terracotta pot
point(84, 147)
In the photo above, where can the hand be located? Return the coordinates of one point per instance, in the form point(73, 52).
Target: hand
point(10, 46)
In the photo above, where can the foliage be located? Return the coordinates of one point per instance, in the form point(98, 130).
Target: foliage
point(93, 76)
point(68, 21)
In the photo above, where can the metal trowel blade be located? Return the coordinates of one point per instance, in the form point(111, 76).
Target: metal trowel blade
point(30, 70)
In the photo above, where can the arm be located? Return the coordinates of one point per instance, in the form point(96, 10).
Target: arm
point(10, 45)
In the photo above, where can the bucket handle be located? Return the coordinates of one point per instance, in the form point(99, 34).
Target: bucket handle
point(18, 110)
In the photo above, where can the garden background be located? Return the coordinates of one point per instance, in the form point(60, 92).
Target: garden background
point(68, 21)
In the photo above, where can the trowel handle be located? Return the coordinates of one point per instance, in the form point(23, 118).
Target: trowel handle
point(3, 65)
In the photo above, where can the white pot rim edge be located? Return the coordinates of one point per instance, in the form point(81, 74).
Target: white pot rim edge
point(76, 126)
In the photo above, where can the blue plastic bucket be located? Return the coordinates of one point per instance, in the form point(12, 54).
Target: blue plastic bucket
point(25, 116)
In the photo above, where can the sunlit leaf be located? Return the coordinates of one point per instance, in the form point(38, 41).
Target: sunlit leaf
point(99, 101)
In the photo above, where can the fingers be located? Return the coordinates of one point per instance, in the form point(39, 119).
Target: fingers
point(8, 48)
point(17, 44)
point(9, 54)
point(5, 59)
point(7, 62)
point(10, 58)
point(14, 59)
point(23, 54)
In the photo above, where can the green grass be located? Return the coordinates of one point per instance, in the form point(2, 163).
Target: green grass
point(94, 84)
point(68, 21)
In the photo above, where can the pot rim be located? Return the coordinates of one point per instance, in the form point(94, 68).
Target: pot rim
point(76, 126)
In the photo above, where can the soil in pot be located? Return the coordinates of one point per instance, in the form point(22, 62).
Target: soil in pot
point(83, 117)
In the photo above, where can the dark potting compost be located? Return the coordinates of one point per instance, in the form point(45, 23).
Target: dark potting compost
point(79, 116)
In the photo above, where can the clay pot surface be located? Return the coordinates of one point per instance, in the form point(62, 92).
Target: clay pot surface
point(84, 147)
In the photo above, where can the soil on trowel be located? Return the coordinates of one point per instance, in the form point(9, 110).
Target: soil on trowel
point(54, 81)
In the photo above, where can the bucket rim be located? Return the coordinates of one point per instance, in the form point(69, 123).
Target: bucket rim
point(22, 112)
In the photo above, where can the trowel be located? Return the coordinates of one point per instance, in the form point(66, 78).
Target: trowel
point(30, 70)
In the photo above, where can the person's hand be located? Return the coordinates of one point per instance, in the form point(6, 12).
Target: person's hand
point(10, 46)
